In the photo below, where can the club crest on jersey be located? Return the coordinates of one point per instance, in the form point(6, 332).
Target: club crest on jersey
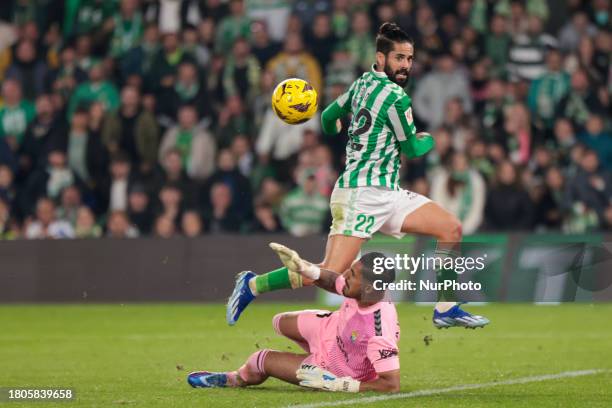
point(409, 115)
point(354, 336)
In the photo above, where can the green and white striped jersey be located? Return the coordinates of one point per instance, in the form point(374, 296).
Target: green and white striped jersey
point(382, 120)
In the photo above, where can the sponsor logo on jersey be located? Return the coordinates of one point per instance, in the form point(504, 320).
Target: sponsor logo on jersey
point(386, 353)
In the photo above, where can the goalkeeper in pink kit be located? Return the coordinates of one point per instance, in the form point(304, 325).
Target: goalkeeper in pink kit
point(352, 349)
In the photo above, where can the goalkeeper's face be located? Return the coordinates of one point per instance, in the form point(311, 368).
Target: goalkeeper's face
point(398, 62)
point(352, 277)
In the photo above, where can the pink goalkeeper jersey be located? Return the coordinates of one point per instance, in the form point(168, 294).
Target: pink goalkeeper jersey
point(359, 342)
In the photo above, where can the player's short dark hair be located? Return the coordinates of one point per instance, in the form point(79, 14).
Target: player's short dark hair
point(388, 34)
point(367, 268)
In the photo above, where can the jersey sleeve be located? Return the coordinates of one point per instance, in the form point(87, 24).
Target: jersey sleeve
point(401, 123)
point(338, 108)
point(382, 350)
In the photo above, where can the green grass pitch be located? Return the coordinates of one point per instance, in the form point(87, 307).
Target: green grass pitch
point(139, 355)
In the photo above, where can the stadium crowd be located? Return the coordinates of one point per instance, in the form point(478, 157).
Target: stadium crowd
point(152, 118)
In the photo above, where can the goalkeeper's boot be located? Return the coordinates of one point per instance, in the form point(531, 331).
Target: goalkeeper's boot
point(457, 317)
point(205, 379)
point(240, 298)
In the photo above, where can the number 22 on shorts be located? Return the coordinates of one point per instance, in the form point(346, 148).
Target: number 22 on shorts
point(364, 223)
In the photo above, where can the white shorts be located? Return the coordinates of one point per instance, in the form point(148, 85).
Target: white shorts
point(360, 212)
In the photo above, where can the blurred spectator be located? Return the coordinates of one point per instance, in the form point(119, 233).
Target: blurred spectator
point(46, 225)
point(185, 90)
point(174, 173)
point(589, 190)
point(265, 219)
point(341, 21)
point(436, 88)
point(274, 14)
point(7, 188)
point(221, 217)
point(165, 65)
point(70, 202)
point(118, 226)
point(304, 209)
point(132, 130)
point(278, 142)
point(263, 47)
point(493, 111)
point(195, 144)
point(86, 226)
point(228, 174)
point(233, 120)
point(190, 40)
point(116, 192)
point(241, 149)
point(519, 135)
point(171, 203)
point(67, 76)
point(191, 224)
point(241, 72)
point(28, 69)
point(39, 133)
point(600, 13)
point(478, 159)
point(550, 209)
point(236, 25)
point(598, 139)
point(85, 16)
point(96, 89)
point(294, 62)
point(508, 206)
point(442, 149)
point(462, 191)
point(580, 101)
point(404, 14)
point(573, 30)
point(49, 181)
point(321, 39)
point(87, 157)
point(339, 73)
point(139, 209)
point(547, 91)
point(360, 42)
point(15, 113)
point(565, 139)
point(139, 60)
point(497, 44)
point(527, 52)
point(7, 230)
point(164, 227)
point(127, 28)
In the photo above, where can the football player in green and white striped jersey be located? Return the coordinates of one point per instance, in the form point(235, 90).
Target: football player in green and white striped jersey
point(367, 197)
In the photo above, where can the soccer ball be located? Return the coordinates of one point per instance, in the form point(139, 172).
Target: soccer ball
point(294, 101)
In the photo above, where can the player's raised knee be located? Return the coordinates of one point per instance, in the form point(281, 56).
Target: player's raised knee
point(452, 231)
point(276, 322)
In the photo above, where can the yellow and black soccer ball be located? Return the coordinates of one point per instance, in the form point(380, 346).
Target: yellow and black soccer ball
point(294, 101)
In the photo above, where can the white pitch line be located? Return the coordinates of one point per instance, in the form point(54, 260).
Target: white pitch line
point(435, 391)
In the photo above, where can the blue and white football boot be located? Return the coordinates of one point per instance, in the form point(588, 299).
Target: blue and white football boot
point(240, 298)
point(456, 317)
point(205, 379)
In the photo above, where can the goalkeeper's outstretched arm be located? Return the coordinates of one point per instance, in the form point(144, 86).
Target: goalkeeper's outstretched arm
point(320, 277)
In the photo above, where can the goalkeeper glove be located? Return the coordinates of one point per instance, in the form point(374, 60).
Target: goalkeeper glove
point(294, 263)
point(312, 376)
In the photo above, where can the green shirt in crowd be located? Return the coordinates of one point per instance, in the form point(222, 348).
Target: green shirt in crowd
point(15, 119)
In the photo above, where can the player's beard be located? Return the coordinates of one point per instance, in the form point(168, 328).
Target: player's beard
point(392, 75)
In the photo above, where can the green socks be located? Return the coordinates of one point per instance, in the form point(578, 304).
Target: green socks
point(277, 279)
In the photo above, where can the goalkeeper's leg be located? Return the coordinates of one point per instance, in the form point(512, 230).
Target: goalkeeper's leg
point(258, 367)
